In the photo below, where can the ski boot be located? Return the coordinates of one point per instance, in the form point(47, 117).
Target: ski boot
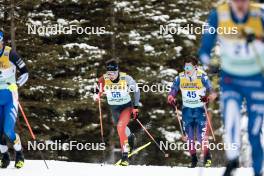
point(208, 160)
point(131, 142)
point(19, 163)
point(194, 161)
point(5, 161)
point(124, 159)
point(231, 166)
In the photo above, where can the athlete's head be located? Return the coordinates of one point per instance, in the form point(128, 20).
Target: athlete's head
point(190, 65)
point(240, 7)
point(112, 69)
point(1, 39)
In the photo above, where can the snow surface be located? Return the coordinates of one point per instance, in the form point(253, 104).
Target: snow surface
point(62, 168)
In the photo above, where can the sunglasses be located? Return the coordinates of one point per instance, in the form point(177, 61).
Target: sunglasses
point(188, 68)
point(111, 73)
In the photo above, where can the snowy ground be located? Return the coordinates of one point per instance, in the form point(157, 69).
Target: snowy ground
point(60, 168)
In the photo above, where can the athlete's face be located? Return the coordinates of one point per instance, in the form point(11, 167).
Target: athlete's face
point(240, 6)
point(189, 68)
point(112, 75)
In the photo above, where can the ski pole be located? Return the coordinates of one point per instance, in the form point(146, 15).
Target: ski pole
point(165, 154)
point(101, 119)
point(179, 120)
point(101, 124)
point(31, 131)
point(26, 120)
point(209, 122)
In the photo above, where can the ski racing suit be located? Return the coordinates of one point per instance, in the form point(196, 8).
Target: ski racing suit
point(193, 112)
point(9, 63)
point(241, 76)
point(118, 97)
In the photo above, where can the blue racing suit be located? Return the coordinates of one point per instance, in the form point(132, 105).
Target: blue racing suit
point(241, 76)
point(9, 63)
point(193, 112)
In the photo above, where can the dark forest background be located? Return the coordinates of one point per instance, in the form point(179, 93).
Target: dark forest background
point(63, 68)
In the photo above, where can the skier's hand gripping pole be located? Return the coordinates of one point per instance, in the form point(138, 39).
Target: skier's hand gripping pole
point(144, 128)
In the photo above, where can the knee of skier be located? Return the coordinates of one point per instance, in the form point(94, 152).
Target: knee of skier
point(10, 134)
point(121, 128)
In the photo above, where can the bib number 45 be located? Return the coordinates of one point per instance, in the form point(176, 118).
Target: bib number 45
point(191, 94)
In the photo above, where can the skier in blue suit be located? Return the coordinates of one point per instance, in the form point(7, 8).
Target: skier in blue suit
point(242, 65)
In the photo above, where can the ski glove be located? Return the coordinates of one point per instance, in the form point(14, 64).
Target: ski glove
point(135, 113)
point(171, 100)
point(204, 99)
point(96, 97)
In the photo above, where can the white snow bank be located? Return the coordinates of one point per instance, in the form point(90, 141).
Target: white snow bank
point(61, 168)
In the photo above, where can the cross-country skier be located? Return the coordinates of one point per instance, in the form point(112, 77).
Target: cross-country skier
point(9, 62)
point(242, 61)
point(117, 86)
point(196, 90)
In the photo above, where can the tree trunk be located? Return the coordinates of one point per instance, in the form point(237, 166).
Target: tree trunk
point(13, 29)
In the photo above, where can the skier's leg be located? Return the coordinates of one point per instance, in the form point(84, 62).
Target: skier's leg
point(188, 126)
point(5, 159)
point(3, 145)
point(255, 106)
point(10, 112)
point(231, 102)
point(122, 129)
point(202, 135)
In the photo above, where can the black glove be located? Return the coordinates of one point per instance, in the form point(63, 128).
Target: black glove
point(204, 99)
point(135, 112)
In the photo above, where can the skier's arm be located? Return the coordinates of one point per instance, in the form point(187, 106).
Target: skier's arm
point(208, 39)
point(134, 88)
point(207, 83)
point(175, 87)
point(209, 88)
point(262, 17)
point(21, 66)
